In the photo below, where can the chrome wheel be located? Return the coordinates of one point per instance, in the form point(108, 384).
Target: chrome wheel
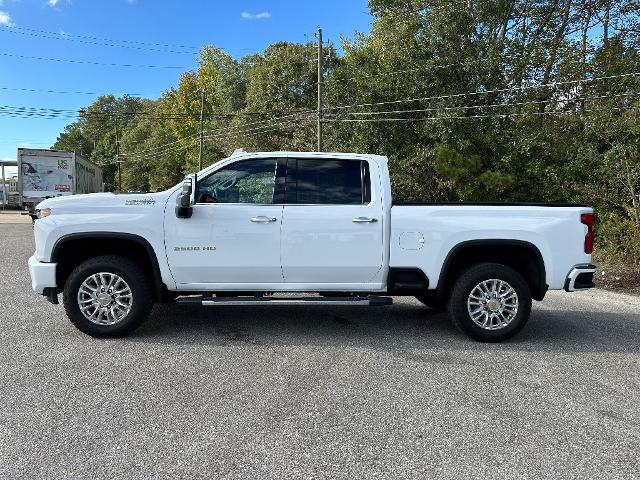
point(492, 304)
point(105, 298)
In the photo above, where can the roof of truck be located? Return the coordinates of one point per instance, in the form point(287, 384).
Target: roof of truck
point(283, 153)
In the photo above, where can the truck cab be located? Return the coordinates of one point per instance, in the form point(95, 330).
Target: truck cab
point(322, 224)
point(300, 223)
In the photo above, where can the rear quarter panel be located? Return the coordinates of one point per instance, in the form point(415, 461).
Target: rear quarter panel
point(555, 231)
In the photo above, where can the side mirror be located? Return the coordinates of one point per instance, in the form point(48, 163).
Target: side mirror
point(187, 197)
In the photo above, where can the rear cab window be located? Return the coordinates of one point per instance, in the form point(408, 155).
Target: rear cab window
point(328, 182)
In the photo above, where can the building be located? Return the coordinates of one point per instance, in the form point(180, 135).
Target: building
point(10, 186)
point(12, 183)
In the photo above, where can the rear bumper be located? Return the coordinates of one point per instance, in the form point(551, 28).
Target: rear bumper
point(43, 275)
point(580, 278)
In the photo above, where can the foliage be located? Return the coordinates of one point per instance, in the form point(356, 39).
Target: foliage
point(477, 131)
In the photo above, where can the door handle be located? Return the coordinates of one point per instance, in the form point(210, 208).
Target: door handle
point(364, 220)
point(263, 219)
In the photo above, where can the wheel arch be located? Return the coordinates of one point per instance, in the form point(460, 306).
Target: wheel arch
point(72, 249)
point(524, 257)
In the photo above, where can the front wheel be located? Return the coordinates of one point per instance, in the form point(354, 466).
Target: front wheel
point(108, 296)
point(490, 302)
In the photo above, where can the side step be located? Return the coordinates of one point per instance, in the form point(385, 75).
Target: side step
point(356, 301)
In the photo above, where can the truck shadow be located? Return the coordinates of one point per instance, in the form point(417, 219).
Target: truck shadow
point(403, 326)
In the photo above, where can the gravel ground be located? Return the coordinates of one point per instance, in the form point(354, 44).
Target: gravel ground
point(291, 392)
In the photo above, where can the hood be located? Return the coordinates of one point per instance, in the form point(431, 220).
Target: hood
point(70, 203)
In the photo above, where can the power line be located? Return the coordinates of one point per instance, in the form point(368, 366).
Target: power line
point(395, 72)
point(88, 62)
point(173, 48)
point(236, 127)
point(484, 92)
point(40, 109)
point(189, 143)
point(32, 112)
point(225, 130)
point(256, 130)
point(426, 68)
point(178, 115)
point(71, 92)
point(266, 130)
point(157, 148)
point(494, 105)
point(133, 42)
point(210, 137)
point(36, 114)
point(69, 38)
point(470, 117)
point(68, 113)
point(231, 128)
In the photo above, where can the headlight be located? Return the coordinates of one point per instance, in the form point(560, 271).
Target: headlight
point(45, 212)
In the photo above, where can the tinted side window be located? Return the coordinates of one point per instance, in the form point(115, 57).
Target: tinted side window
point(249, 181)
point(330, 182)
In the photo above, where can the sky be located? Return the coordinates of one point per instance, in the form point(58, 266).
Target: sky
point(162, 37)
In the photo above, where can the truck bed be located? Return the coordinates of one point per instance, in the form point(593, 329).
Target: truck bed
point(424, 234)
point(491, 204)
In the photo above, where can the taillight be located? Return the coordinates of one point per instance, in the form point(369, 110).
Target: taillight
point(588, 219)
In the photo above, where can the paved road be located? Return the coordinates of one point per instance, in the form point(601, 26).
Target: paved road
point(289, 392)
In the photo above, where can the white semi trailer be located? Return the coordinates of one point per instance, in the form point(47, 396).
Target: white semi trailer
point(45, 173)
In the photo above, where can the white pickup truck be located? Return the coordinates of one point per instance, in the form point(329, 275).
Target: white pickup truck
point(255, 225)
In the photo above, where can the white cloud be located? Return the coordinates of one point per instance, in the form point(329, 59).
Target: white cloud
point(5, 19)
point(255, 16)
point(53, 3)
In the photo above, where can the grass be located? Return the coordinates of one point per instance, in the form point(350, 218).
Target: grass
point(615, 273)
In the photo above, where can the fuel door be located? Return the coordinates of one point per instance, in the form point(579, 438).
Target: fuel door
point(411, 240)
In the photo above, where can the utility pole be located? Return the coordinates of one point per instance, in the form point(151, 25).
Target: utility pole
point(118, 158)
point(201, 125)
point(320, 81)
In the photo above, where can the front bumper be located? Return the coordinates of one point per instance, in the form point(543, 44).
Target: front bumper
point(43, 275)
point(580, 278)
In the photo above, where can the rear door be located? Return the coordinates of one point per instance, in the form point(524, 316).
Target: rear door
point(332, 228)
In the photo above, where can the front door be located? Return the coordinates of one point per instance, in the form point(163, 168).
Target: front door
point(332, 228)
point(233, 237)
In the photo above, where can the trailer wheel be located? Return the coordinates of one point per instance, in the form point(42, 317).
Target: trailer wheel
point(108, 296)
point(490, 302)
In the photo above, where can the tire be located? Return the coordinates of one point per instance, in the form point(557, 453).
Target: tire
point(498, 315)
point(431, 301)
point(130, 303)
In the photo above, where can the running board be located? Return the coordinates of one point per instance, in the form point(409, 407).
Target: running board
point(355, 301)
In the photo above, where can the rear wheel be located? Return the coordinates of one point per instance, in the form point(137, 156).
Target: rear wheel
point(490, 302)
point(108, 296)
